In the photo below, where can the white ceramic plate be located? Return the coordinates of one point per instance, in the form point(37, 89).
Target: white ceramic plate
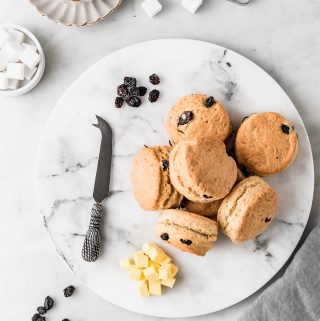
point(68, 159)
point(75, 12)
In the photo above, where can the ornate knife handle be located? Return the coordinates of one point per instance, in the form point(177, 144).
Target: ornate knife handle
point(91, 245)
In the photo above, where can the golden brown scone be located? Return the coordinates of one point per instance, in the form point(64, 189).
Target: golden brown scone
point(201, 170)
point(266, 143)
point(248, 210)
point(151, 179)
point(204, 209)
point(198, 116)
point(187, 231)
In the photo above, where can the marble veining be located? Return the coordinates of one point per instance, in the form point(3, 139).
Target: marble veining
point(67, 165)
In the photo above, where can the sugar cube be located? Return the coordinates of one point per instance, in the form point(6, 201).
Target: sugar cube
point(29, 73)
point(15, 71)
point(3, 60)
point(192, 5)
point(4, 37)
point(13, 83)
point(151, 7)
point(16, 36)
point(12, 50)
point(29, 57)
point(3, 81)
point(28, 45)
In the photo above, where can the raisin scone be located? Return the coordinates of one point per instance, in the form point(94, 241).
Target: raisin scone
point(266, 143)
point(187, 231)
point(248, 210)
point(197, 116)
point(151, 179)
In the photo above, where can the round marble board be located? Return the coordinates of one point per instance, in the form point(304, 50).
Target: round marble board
point(68, 159)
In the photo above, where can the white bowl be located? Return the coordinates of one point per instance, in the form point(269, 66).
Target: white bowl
point(38, 75)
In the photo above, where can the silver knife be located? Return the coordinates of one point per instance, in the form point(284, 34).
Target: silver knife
point(91, 245)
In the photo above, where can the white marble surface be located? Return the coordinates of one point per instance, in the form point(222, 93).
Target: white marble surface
point(68, 160)
point(280, 35)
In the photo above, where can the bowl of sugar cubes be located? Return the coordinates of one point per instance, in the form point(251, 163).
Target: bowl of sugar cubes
point(22, 60)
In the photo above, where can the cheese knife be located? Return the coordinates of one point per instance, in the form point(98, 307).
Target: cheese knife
point(91, 245)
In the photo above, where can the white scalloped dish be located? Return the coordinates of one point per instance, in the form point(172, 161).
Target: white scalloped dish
point(75, 12)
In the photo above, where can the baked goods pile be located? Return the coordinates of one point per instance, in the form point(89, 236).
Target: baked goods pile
point(199, 186)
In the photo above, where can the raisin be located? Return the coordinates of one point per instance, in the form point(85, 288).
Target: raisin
point(48, 303)
point(122, 90)
point(164, 236)
point(185, 117)
point(65, 320)
point(133, 101)
point(285, 129)
point(130, 81)
point(170, 143)
point(154, 95)
point(118, 102)
point(206, 196)
point(186, 242)
point(36, 317)
point(244, 170)
point(133, 91)
point(228, 64)
point(208, 102)
point(41, 310)
point(267, 219)
point(154, 79)
point(165, 165)
point(68, 291)
point(142, 91)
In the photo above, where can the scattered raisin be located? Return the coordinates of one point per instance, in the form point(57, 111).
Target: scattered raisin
point(118, 102)
point(244, 170)
point(228, 64)
point(142, 91)
point(185, 117)
point(133, 91)
point(122, 90)
point(285, 129)
point(133, 101)
point(41, 310)
point(206, 196)
point(165, 165)
point(154, 95)
point(154, 79)
point(130, 81)
point(165, 236)
point(68, 291)
point(186, 242)
point(267, 219)
point(208, 102)
point(48, 303)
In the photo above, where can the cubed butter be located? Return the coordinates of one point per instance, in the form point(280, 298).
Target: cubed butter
point(147, 247)
point(165, 272)
point(166, 260)
point(151, 274)
point(156, 254)
point(126, 264)
point(155, 288)
point(135, 274)
point(174, 270)
point(140, 259)
point(143, 288)
point(169, 282)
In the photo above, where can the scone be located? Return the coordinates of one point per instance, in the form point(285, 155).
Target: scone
point(151, 180)
point(197, 116)
point(187, 231)
point(266, 143)
point(204, 209)
point(248, 210)
point(201, 170)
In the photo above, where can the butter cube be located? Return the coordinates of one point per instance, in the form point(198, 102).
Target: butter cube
point(166, 260)
point(135, 274)
point(143, 288)
point(156, 254)
point(155, 264)
point(169, 282)
point(140, 259)
point(147, 247)
point(151, 274)
point(174, 270)
point(165, 272)
point(155, 288)
point(126, 264)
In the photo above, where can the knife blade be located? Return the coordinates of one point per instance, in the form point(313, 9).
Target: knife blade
point(91, 245)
